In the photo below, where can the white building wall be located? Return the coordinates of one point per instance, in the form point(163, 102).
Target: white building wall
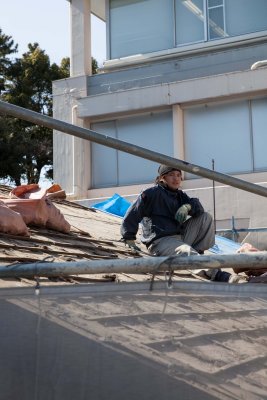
point(71, 155)
point(73, 103)
point(187, 92)
point(80, 60)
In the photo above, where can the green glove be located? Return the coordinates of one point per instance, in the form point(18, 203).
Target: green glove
point(182, 213)
point(132, 245)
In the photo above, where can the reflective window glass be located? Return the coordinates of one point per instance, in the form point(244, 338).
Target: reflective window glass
point(219, 132)
point(216, 23)
point(259, 123)
point(245, 16)
point(189, 13)
point(140, 26)
point(110, 167)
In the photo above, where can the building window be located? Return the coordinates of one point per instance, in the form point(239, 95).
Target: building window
point(110, 167)
point(189, 13)
point(144, 26)
point(231, 134)
point(141, 26)
point(215, 20)
point(259, 123)
point(245, 16)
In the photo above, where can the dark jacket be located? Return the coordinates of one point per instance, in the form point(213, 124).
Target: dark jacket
point(156, 208)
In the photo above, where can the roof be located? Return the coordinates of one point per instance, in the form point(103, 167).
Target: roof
point(204, 341)
point(121, 336)
point(98, 8)
point(94, 235)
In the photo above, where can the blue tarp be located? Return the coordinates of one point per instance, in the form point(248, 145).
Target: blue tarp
point(224, 246)
point(117, 205)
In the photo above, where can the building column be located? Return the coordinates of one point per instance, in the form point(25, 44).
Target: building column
point(178, 132)
point(80, 161)
point(80, 21)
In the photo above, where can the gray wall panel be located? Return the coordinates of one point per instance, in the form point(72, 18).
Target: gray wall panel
point(178, 69)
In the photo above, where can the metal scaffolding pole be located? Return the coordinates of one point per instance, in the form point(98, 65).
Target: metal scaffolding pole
point(257, 260)
point(87, 134)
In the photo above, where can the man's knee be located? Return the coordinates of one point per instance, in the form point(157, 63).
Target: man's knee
point(207, 216)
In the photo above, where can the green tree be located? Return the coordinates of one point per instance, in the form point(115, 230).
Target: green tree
point(94, 66)
point(29, 85)
point(26, 148)
point(9, 153)
point(7, 47)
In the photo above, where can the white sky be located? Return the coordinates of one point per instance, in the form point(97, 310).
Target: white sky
point(46, 22)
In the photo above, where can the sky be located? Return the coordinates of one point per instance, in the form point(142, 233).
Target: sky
point(30, 21)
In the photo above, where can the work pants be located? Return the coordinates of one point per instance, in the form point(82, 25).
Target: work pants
point(198, 236)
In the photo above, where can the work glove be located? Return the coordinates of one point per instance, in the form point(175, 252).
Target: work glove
point(132, 245)
point(182, 213)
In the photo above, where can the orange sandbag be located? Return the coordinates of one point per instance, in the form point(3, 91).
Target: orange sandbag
point(36, 208)
point(33, 211)
point(29, 201)
point(11, 222)
point(56, 192)
point(56, 220)
point(31, 191)
point(248, 248)
point(54, 188)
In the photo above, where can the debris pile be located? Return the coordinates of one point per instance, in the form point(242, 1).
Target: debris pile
point(29, 205)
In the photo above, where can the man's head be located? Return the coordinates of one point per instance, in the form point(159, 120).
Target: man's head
point(170, 176)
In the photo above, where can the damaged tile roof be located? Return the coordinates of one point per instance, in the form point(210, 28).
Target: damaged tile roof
point(127, 342)
point(94, 235)
point(201, 340)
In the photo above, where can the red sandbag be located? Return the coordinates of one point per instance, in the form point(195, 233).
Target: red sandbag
point(31, 191)
point(54, 188)
point(36, 209)
point(55, 192)
point(12, 222)
point(56, 220)
point(248, 248)
point(33, 211)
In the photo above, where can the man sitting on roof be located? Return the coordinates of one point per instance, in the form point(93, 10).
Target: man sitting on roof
point(172, 222)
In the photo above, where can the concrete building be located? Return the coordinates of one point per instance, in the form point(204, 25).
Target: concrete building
point(177, 79)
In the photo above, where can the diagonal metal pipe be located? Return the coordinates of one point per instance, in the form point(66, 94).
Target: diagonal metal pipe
point(257, 260)
point(87, 134)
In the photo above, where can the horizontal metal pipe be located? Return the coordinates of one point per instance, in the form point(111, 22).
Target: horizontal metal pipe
point(256, 260)
point(235, 230)
point(87, 134)
point(258, 64)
